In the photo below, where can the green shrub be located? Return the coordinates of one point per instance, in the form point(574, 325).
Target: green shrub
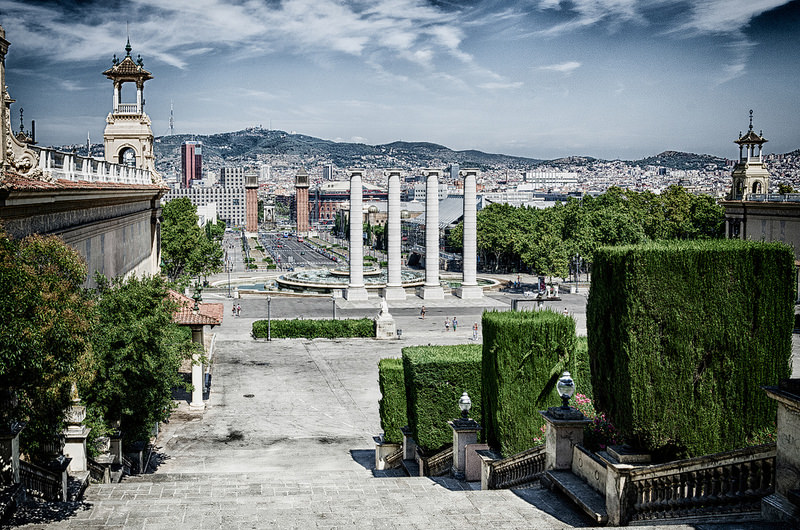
point(392, 405)
point(313, 329)
point(682, 337)
point(582, 373)
point(435, 378)
point(272, 266)
point(252, 266)
point(370, 258)
point(383, 264)
point(524, 354)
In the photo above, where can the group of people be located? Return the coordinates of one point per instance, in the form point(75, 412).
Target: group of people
point(447, 323)
point(236, 309)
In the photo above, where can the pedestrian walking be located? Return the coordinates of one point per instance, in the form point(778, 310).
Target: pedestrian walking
point(475, 331)
point(422, 313)
point(455, 323)
point(238, 310)
point(233, 310)
point(566, 312)
point(447, 324)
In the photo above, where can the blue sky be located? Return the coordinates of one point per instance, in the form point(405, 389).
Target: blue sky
point(539, 78)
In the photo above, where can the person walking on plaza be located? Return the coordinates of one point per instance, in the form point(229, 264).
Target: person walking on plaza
point(475, 331)
point(422, 313)
point(238, 310)
point(566, 312)
point(455, 323)
point(446, 324)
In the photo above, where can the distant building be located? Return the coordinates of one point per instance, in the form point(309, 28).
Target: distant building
point(544, 180)
point(191, 163)
point(327, 172)
point(229, 196)
point(329, 197)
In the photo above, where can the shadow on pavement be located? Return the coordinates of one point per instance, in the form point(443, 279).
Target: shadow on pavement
point(41, 513)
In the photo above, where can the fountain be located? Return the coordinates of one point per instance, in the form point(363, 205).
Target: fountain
point(324, 280)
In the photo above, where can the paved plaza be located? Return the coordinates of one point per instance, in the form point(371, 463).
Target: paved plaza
point(286, 438)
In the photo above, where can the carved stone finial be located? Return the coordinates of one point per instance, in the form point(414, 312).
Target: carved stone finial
point(751, 119)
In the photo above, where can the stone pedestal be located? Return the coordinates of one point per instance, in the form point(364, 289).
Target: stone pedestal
point(430, 292)
point(564, 430)
point(784, 504)
point(75, 434)
point(384, 323)
point(9, 453)
point(383, 450)
point(469, 292)
point(394, 293)
point(356, 294)
point(465, 432)
point(116, 447)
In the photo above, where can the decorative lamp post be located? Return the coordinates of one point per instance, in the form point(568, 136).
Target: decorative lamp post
point(269, 318)
point(564, 427)
point(197, 297)
point(333, 305)
point(465, 432)
point(577, 271)
point(228, 268)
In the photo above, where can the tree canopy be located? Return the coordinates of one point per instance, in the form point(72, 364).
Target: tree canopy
point(545, 241)
point(186, 249)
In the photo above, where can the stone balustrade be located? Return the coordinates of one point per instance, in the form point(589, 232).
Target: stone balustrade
point(716, 485)
point(522, 468)
point(75, 168)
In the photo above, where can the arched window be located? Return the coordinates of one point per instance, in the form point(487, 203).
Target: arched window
point(127, 157)
point(757, 186)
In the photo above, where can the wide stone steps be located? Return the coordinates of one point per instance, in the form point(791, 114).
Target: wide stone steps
point(351, 499)
point(587, 499)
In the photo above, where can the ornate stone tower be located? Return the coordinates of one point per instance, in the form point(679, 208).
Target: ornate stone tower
point(251, 201)
point(749, 174)
point(301, 201)
point(128, 138)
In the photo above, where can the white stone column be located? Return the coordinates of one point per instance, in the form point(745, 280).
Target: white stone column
point(197, 371)
point(394, 283)
point(432, 289)
point(469, 285)
point(356, 290)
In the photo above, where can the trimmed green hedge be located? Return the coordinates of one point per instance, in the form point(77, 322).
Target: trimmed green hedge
point(435, 378)
point(313, 329)
point(392, 405)
point(524, 354)
point(684, 334)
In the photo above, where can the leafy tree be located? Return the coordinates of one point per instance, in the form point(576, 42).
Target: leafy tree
point(784, 187)
point(185, 249)
point(137, 353)
point(44, 332)
point(215, 231)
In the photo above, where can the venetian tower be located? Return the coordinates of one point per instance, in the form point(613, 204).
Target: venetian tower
point(749, 174)
point(301, 201)
point(251, 202)
point(128, 138)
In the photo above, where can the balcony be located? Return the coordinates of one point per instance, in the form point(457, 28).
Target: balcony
point(75, 168)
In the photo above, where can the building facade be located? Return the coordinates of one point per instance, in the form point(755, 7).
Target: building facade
point(191, 163)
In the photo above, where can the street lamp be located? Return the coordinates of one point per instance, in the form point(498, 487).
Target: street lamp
point(333, 303)
point(565, 389)
point(269, 318)
point(228, 268)
point(577, 270)
point(465, 403)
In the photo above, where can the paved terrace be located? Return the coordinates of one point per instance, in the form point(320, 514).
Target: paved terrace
point(286, 440)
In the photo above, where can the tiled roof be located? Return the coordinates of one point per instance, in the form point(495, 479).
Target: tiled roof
point(127, 68)
point(208, 314)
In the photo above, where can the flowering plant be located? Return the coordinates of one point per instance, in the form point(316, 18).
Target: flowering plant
point(601, 432)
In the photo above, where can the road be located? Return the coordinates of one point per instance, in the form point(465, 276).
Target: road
point(290, 251)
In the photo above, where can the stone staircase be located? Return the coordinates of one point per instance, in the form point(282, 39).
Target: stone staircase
point(357, 499)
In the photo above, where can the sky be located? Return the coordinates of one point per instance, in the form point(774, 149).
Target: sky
point(538, 78)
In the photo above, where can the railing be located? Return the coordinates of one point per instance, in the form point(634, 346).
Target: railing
point(437, 465)
point(41, 483)
point(726, 483)
point(521, 468)
point(75, 168)
point(394, 458)
point(127, 108)
point(774, 197)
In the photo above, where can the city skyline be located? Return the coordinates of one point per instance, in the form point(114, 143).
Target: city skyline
point(543, 79)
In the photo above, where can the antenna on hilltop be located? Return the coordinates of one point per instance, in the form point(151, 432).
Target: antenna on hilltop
point(171, 120)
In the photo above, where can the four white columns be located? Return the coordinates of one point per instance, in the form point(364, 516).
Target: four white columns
point(432, 289)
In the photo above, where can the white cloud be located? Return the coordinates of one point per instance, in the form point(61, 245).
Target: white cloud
point(564, 68)
point(500, 86)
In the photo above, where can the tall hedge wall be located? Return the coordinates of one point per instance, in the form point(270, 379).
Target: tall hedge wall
point(313, 329)
point(524, 354)
point(392, 405)
point(682, 336)
point(435, 378)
